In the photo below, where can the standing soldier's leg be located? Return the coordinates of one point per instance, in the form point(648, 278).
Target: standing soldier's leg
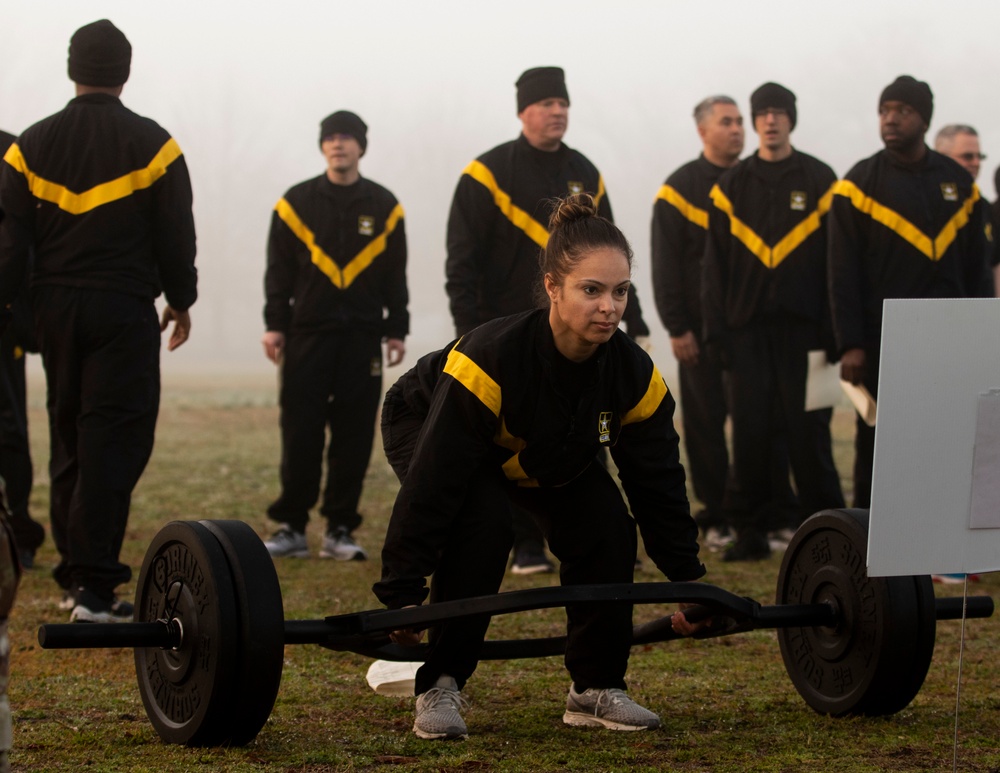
point(10, 575)
point(357, 388)
point(864, 440)
point(56, 320)
point(751, 399)
point(305, 391)
point(120, 397)
point(15, 452)
point(703, 414)
point(810, 449)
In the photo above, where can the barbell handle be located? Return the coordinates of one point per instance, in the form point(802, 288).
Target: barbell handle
point(163, 635)
point(950, 607)
point(65, 636)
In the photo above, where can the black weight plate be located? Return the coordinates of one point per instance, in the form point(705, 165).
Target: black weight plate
point(261, 627)
point(875, 659)
point(188, 691)
point(915, 631)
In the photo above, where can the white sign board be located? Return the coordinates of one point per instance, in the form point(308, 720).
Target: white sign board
point(936, 496)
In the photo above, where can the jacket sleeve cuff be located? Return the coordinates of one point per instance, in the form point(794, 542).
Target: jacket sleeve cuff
point(687, 574)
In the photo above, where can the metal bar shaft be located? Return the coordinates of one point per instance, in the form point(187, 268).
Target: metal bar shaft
point(354, 632)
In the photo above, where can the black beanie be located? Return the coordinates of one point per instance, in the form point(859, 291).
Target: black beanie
point(99, 55)
point(540, 83)
point(916, 94)
point(773, 95)
point(344, 122)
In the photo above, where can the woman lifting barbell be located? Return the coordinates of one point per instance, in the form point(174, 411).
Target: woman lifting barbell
point(516, 412)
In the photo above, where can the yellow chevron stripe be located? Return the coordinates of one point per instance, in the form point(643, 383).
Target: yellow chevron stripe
point(933, 249)
point(772, 257)
point(887, 217)
point(105, 193)
point(957, 222)
point(600, 190)
point(803, 230)
point(739, 229)
point(341, 278)
point(475, 379)
point(521, 219)
point(689, 211)
point(375, 247)
point(512, 467)
point(650, 401)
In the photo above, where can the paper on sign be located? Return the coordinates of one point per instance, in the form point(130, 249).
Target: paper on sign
point(822, 390)
point(862, 401)
point(985, 501)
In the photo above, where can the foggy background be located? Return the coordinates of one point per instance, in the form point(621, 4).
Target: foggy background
point(243, 88)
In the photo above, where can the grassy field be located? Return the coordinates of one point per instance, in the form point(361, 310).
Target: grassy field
point(727, 703)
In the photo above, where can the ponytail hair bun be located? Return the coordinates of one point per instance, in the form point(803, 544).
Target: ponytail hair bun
point(576, 229)
point(575, 207)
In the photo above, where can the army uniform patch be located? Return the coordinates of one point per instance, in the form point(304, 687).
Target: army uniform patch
point(366, 225)
point(949, 191)
point(604, 427)
point(574, 186)
point(798, 202)
point(376, 367)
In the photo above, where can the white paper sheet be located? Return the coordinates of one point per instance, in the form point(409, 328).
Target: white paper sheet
point(985, 501)
point(822, 382)
point(862, 401)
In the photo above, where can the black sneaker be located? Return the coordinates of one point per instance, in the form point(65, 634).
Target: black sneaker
point(750, 545)
point(89, 608)
point(530, 558)
point(26, 557)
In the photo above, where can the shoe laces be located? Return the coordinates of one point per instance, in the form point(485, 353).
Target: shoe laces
point(610, 697)
point(437, 695)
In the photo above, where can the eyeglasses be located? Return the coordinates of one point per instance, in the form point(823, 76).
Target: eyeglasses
point(972, 156)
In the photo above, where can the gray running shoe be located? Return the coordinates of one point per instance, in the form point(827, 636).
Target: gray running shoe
point(341, 546)
point(88, 608)
point(610, 708)
point(439, 712)
point(287, 543)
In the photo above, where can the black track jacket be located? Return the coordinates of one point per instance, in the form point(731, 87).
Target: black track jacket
point(680, 226)
point(499, 223)
point(103, 199)
point(766, 252)
point(336, 261)
point(494, 397)
point(900, 231)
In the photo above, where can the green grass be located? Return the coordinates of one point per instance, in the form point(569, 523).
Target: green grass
point(727, 703)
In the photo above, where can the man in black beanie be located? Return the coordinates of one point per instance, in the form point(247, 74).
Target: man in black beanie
point(335, 288)
point(498, 225)
point(764, 304)
point(907, 222)
point(103, 228)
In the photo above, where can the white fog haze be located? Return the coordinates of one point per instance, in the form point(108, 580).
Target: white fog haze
point(243, 87)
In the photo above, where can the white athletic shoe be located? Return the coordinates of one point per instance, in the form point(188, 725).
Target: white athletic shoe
point(341, 546)
point(610, 708)
point(287, 543)
point(439, 712)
